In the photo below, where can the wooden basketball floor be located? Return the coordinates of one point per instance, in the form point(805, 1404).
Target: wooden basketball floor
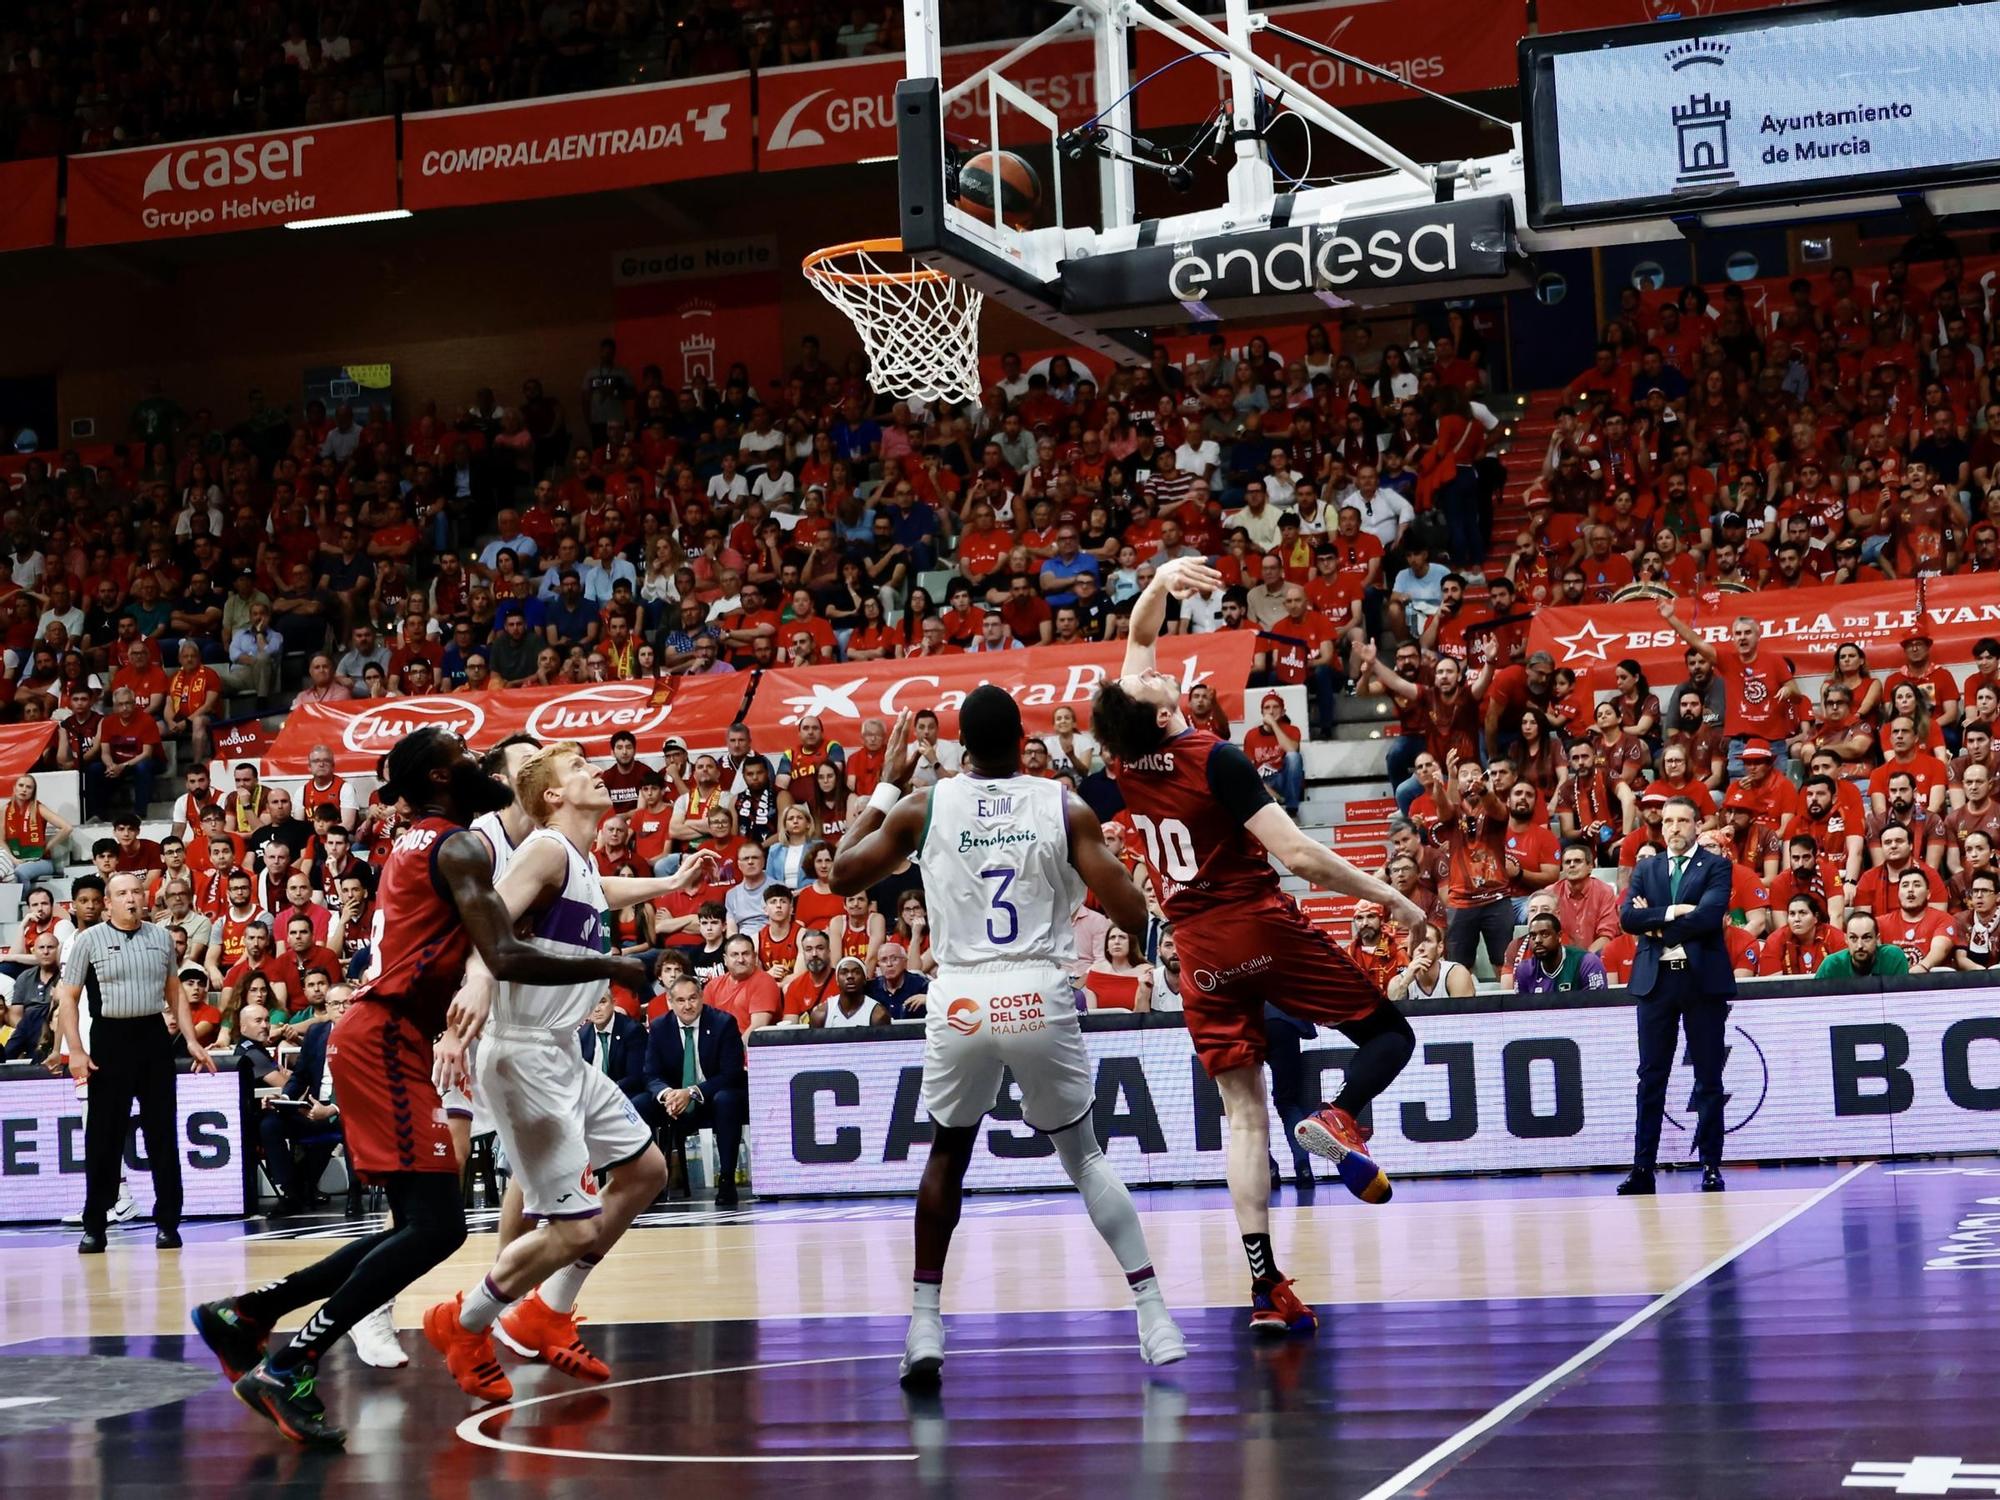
point(1815, 1331)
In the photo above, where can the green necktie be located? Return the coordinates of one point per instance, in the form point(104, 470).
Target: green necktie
point(689, 1078)
point(604, 1052)
point(1674, 880)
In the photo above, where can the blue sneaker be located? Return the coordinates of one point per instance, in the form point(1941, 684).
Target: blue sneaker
point(1276, 1310)
point(1335, 1134)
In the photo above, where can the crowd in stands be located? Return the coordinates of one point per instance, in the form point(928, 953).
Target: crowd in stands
point(95, 75)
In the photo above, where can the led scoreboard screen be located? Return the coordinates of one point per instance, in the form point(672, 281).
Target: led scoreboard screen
point(1769, 107)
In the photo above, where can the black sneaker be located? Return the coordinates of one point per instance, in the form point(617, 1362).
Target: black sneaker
point(289, 1401)
point(236, 1342)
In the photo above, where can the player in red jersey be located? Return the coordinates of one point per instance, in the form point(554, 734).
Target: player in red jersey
point(1208, 822)
point(435, 906)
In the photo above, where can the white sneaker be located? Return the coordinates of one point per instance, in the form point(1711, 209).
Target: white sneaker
point(70, 1221)
point(125, 1208)
point(1160, 1340)
point(375, 1341)
point(923, 1351)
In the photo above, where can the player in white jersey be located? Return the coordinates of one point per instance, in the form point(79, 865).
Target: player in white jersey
point(562, 1122)
point(1005, 859)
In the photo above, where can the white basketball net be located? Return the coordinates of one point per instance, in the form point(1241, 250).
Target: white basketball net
point(919, 326)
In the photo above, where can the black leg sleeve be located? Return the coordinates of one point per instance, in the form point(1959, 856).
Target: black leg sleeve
point(1383, 1044)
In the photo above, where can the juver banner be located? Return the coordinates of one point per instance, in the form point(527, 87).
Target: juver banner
point(698, 710)
point(1041, 680)
point(578, 143)
point(232, 182)
point(1847, 1075)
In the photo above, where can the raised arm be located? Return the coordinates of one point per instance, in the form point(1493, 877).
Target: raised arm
point(1366, 659)
point(621, 891)
point(1679, 628)
point(468, 874)
point(1181, 578)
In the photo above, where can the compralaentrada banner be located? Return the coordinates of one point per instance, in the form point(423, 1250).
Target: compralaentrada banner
point(41, 1148)
point(1895, 1074)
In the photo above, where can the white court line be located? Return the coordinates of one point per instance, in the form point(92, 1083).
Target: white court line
point(1430, 1461)
point(471, 1428)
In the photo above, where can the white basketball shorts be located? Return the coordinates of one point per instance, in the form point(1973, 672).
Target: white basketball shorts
point(980, 1022)
point(559, 1120)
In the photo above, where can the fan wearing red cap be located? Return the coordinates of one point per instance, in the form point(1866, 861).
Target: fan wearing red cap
point(1770, 795)
point(1273, 747)
point(1939, 687)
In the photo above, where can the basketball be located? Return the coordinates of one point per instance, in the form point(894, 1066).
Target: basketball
point(1020, 189)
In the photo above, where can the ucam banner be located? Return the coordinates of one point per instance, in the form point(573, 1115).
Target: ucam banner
point(1803, 624)
point(28, 203)
point(698, 710)
point(1041, 679)
point(578, 143)
point(232, 182)
point(1901, 1073)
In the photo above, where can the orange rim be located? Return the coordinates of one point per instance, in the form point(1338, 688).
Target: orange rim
point(818, 264)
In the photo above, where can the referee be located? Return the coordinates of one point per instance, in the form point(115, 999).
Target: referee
point(126, 968)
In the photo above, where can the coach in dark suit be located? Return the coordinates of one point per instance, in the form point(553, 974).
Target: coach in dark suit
point(615, 1045)
point(706, 1088)
point(1676, 906)
point(311, 1128)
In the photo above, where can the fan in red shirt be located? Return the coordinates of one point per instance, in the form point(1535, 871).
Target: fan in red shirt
point(1212, 832)
point(743, 989)
point(1802, 944)
point(1922, 931)
point(1757, 681)
point(438, 883)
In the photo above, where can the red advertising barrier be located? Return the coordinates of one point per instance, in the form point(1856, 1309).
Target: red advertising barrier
point(697, 709)
point(820, 114)
point(1041, 679)
point(1580, 15)
point(1446, 45)
point(1803, 624)
point(232, 182)
point(578, 143)
point(28, 203)
point(22, 746)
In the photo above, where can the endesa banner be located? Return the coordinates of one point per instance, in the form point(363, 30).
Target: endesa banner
point(1853, 1075)
point(28, 203)
point(41, 1146)
point(360, 731)
point(1804, 624)
point(232, 182)
point(820, 114)
point(578, 143)
point(1041, 679)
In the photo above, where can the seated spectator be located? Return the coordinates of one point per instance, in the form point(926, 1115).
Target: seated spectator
point(1586, 907)
point(743, 990)
point(1802, 945)
point(1118, 979)
point(1975, 932)
point(1866, 956)
point(695, 1074)
point(1551, 966)
point(853, 1002)
point(615, 1044)
point(1429, 975)
point(298, 1136)
point(896, 985)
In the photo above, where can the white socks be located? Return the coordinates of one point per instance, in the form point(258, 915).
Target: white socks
point(561, 1289)
point(481, 1305)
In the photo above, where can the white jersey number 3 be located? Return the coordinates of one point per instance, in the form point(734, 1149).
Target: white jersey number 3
point(1169, 847)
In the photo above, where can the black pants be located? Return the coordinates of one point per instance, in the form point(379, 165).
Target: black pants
point(725, 1111)
point(1466, 925)
point(1677, 1002)
point(296, 1150)
point(1282, 1041)
point(135, 1061)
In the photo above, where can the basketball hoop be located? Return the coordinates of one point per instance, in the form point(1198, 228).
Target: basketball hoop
point(919, 326)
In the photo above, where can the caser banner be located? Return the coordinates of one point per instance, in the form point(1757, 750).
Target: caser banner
point(1804, 624)
point(360, 731)
point(1411, 251)
point(41, 1148)
point(578, 143)
point(1041, 679)
point(232, 182)
point(28, 203)
point(1895, 1074)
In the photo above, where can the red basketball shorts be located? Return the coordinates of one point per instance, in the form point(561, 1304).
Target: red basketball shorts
point(1234, 962)
point(390, 1112)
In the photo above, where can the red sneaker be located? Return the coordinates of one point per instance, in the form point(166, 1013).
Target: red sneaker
point(1277, 1311)
point(538, 1331)
point(1336, 1135)
point(468, 1355)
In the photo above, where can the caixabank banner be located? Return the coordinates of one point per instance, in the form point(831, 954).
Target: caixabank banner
point(41, 1147)
point(1867, 1075)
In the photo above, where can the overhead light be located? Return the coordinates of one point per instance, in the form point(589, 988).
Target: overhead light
point(870, 161)
point(339, 219)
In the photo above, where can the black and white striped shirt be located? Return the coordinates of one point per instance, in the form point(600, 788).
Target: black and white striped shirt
point(123, 975)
